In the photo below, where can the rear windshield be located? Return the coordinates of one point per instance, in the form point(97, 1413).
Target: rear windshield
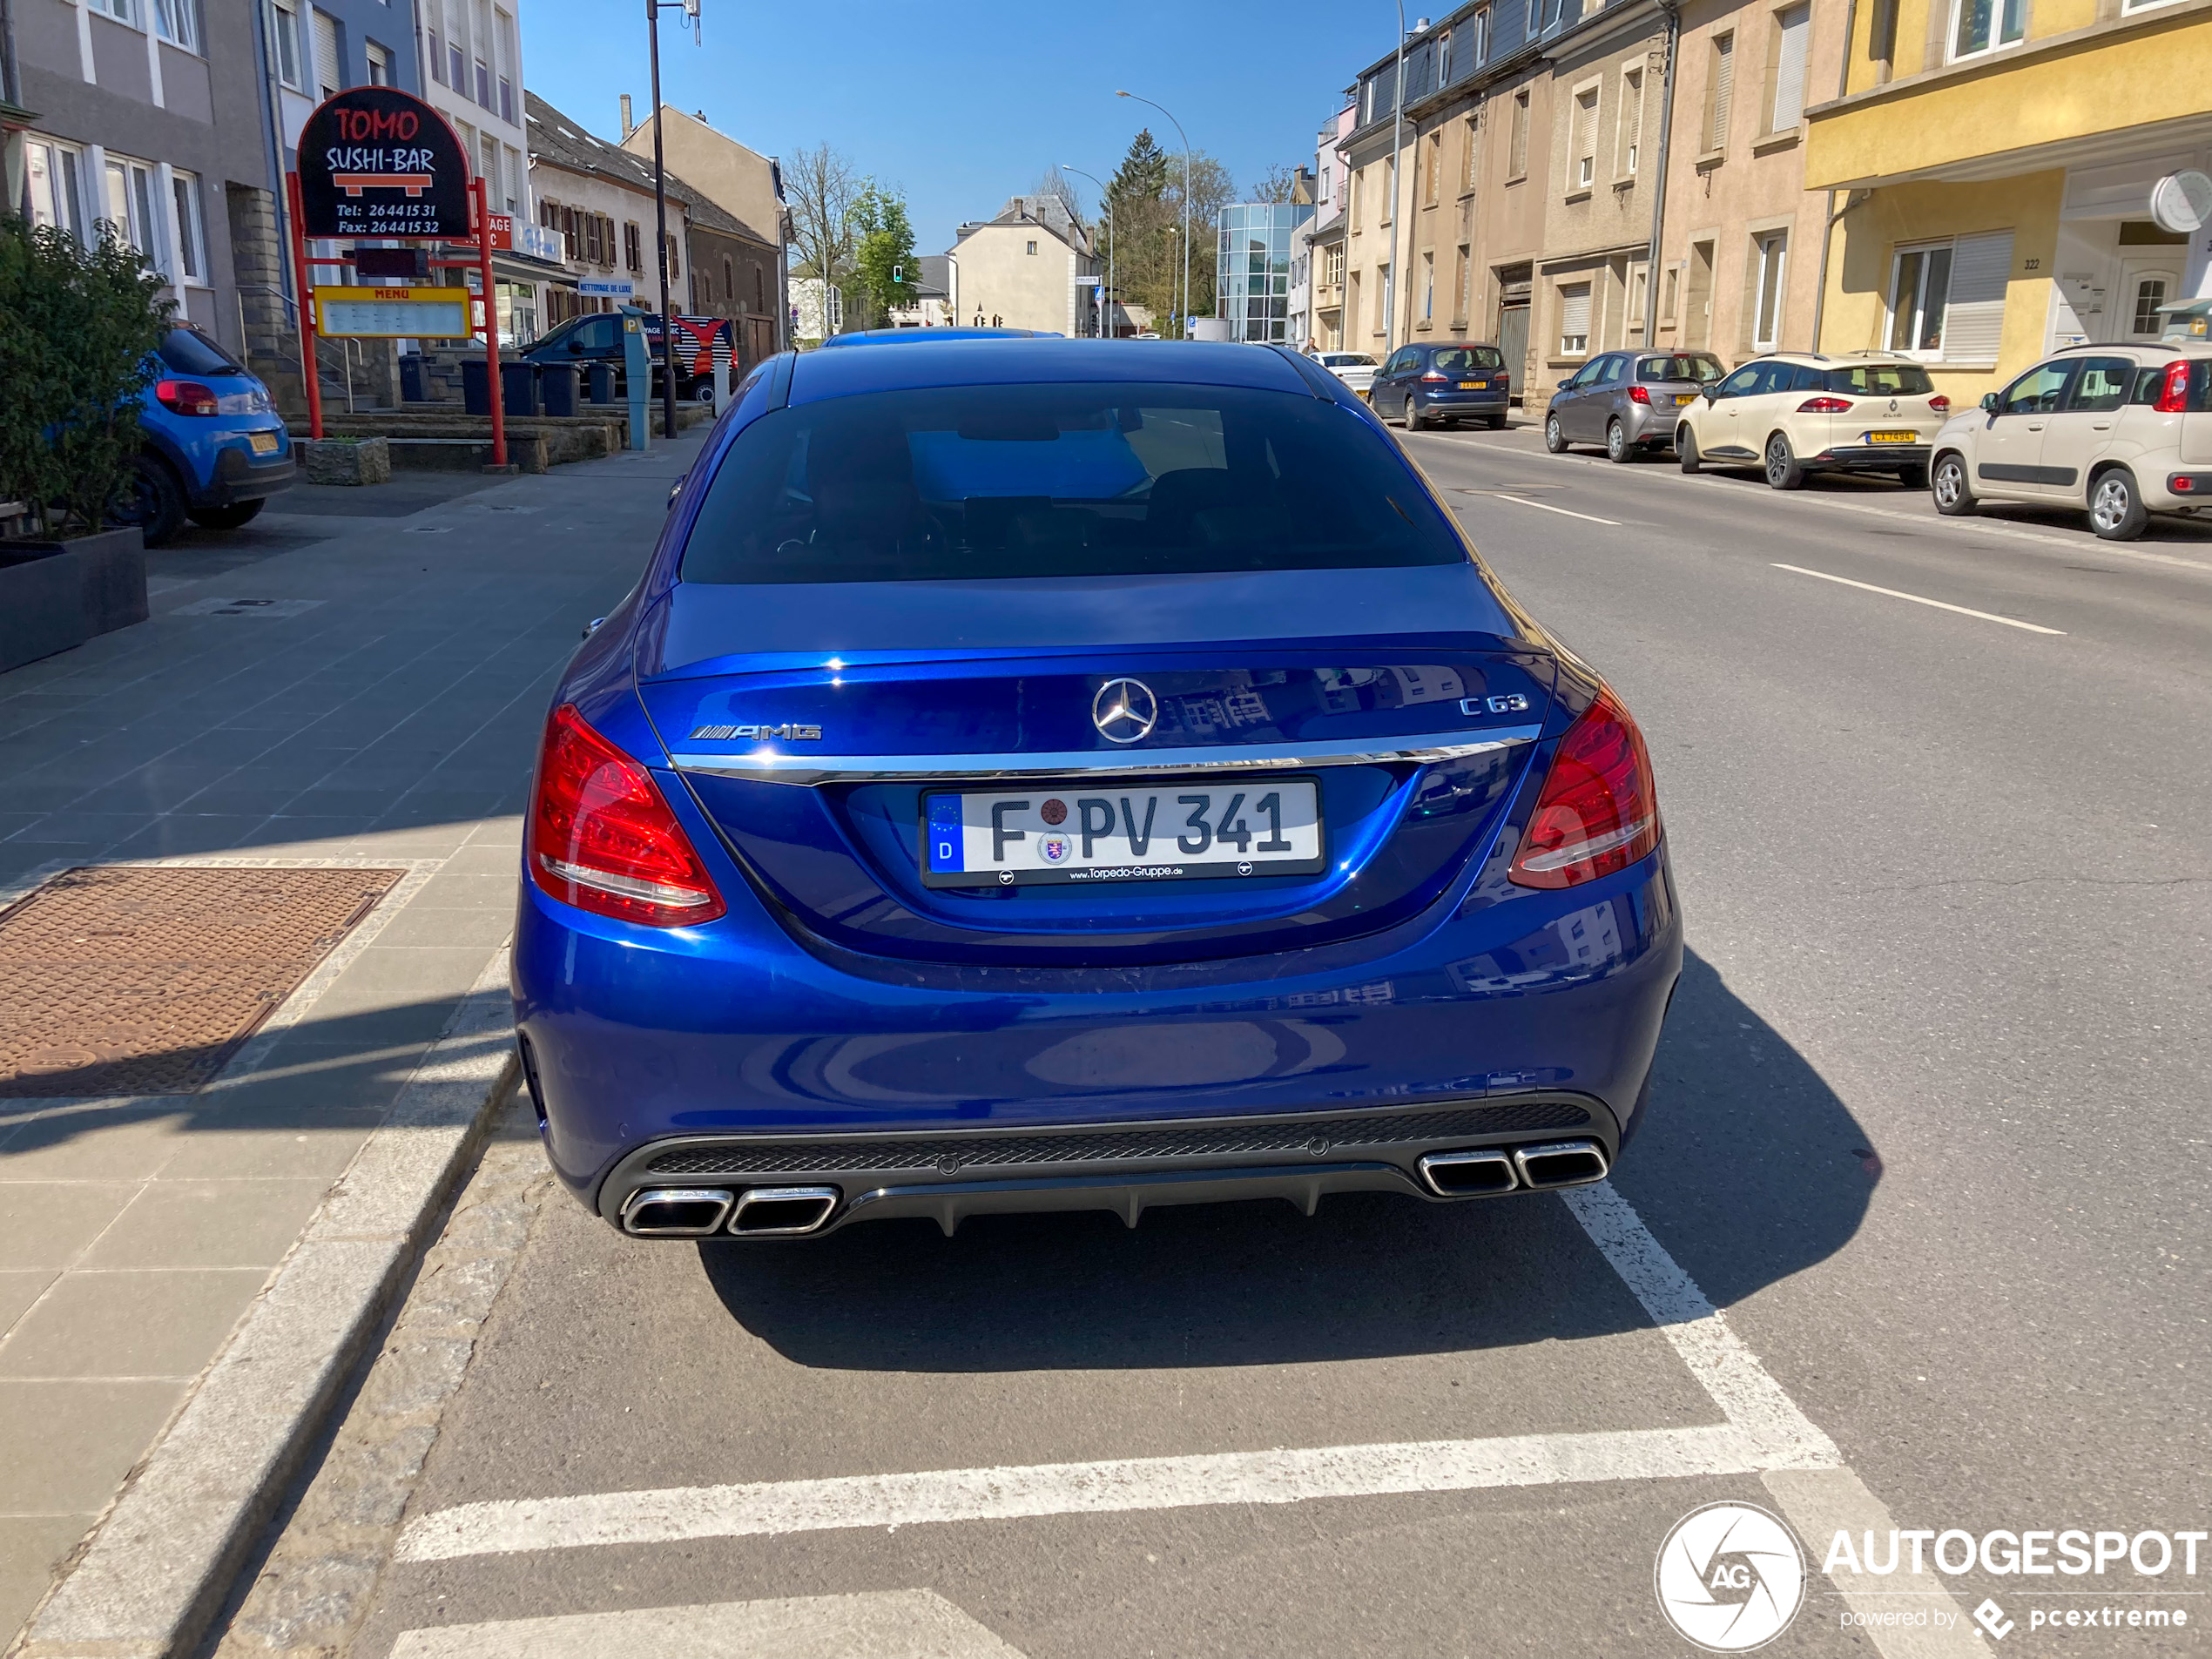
point(1460, 358)
point(1087, 480)
point(1683, 366)
point(1348, 359)
point(1882, 379)
point(189, 352)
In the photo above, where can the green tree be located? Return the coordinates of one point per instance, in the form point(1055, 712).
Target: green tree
point(77, 326)
point(886, 274)
point(1146, 191)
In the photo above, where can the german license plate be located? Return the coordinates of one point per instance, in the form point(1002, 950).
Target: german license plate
point(1103, 832)
point(262, 443)
point(1682, 398)
point(1893, 438)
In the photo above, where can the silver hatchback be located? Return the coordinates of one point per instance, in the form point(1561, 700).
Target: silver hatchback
point(1627, 400)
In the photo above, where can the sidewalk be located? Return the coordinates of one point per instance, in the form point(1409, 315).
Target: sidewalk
point(340, 766)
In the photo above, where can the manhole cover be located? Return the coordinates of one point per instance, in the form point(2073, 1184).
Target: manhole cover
point(144, 982)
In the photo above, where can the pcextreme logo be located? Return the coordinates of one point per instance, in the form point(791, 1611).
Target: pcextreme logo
point(1730, 1577)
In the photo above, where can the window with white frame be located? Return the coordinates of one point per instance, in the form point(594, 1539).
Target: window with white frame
point(290, 66)
point(1332, 268)
point(1978, 26)
point(177, 22)
point(1583, 154)
point(192, 233)
point(1630, 139)
point(54, 181)
point(1771, 256)
point(130, 204)
point(123, 10)
point(1428, 287)
point(1574, 319)
point(1792, 32)
point(379, 64)
point(1947, 298)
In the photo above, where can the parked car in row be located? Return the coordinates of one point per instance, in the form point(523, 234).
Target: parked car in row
point(1442, 384)
point(215, 449)
point(1796, 412)
point(2119, 431)
point(1355, 368)
point(598, 339)
point(1627, 400)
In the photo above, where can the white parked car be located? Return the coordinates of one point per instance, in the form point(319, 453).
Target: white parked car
point(2119, 431)
point(1356, 370)
point(1794, 413)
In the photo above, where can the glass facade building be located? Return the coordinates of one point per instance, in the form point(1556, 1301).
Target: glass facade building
point(1253, 280)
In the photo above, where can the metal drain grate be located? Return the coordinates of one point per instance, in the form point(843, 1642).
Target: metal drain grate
point(144, 982)
point(1313, 1136)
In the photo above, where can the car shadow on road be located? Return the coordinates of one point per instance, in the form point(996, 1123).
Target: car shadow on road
point(1770, 1156)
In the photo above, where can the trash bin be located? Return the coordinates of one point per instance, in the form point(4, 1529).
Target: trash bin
point(415, 378)
point(475, 386)
point(518, 389)
point(556, 385)
point(602, 377)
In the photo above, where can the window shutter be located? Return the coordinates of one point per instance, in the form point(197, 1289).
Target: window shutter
point(1575, 310)
point(1790, 68)
point(1724, 90)
point(326, 73)
point(1973, 324)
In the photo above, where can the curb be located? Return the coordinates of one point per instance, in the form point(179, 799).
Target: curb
point(159, 1565)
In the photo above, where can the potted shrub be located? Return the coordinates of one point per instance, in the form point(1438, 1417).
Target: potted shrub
point(78, 326)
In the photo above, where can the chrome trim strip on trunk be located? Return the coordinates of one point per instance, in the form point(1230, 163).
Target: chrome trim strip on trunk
point(764, 766)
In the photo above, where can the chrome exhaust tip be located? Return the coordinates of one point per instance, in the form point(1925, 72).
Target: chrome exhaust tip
point(1470, 1174)
point(675, 1212)
point(1560, 1164)
point(783, 1212)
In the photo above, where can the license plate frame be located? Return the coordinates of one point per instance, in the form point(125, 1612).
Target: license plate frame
point(262, 443)
point(1239, 794)
point(1893, 438)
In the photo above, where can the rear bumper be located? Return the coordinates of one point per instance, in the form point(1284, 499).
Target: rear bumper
point(2172, 490)
point(1127, 1169)
point(239, 478)
point(1887, 457)
point(1457, 403)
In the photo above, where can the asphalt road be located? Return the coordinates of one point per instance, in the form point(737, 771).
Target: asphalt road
point(1928, 1126)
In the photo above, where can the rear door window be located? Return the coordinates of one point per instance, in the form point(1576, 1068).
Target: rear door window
point(1082, 480)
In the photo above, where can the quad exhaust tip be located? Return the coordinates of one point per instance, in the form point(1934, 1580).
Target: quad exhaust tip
point(675, 1212)
point(1560, 1164)
point(1485, 1171)
point(1470, 1174)
point(783, 1212)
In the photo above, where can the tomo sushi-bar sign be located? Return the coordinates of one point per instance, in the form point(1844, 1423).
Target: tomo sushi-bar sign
point(375, 161)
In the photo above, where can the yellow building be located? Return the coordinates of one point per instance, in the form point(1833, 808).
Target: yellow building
point(1992, 165)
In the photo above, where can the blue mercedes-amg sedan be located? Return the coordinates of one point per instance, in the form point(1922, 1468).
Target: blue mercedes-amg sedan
point(1042, 774)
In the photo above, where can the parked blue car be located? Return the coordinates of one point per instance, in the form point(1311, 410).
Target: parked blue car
point(1037, 775)
point(215, 448)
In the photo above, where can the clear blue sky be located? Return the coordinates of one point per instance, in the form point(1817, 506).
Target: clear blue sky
point(962, 107)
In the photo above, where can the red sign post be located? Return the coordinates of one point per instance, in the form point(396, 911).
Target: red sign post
point(374, 161)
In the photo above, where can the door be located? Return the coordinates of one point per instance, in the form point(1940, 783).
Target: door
point(2082, 430)
point(2143, 289)
point(1717, 423)
point(1764, 407)
point(1602, 402)
point(1570, 394)
point(1390, 384)
point(2008, 452)
point(1513, 344)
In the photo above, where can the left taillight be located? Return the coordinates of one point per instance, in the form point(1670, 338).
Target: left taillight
point(1638, 394)
point(603, 840)
point(1599, 809)
point(1823, 406)
point(185, 397)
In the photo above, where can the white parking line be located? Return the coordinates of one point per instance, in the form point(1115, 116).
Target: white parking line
point(883, 1624)
point(1546, 507)
point(1938, 604)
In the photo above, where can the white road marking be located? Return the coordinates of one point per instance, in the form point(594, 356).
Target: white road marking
point(883, 1624)
point(779, 1508)
point(1937, 605)
point(1546, 507)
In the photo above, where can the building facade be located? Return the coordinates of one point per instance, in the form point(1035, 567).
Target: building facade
point(1033, 266)
point(1993, 170)
point(1253, 269)
point(740, 225)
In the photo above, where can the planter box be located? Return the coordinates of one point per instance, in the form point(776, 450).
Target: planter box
point(347, 461)
point(55, 595)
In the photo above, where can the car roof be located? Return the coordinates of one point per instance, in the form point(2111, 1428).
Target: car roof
point(942, 362)
point(886, 337)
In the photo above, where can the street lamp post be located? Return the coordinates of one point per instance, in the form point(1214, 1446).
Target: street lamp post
point(1396, 284)
point(1105, 201)
point(1185, 137)
point(660, 217)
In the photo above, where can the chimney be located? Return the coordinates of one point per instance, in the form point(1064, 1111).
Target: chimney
point(628, 127)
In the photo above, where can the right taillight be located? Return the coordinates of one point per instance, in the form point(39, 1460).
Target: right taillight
point(1599, 809)
point(2174, 389)
point(603, 839)
point(185, 397)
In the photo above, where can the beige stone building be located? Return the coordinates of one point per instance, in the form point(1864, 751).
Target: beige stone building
point(1033, 266)
point(740, 227)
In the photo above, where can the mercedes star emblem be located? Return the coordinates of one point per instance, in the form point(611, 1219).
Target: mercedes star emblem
point(1124, 711)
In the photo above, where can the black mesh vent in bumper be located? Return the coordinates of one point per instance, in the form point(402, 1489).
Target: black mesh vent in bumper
point(936, 1151)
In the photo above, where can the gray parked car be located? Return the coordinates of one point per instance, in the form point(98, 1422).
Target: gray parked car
point(1627, 400)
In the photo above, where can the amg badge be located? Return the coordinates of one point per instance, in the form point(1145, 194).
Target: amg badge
point(789, 733)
